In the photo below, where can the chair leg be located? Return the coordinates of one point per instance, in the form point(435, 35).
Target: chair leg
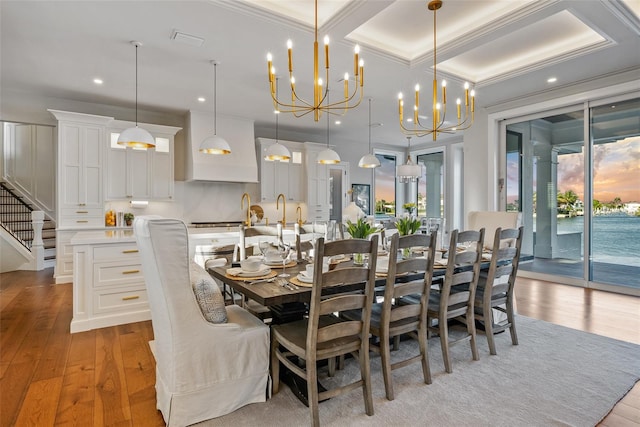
point(385, 356)
point(312, 392)
point(424, 352)
point(332, 366)
point(365, 373)
point(275, 365)
point(512, 321)
point(396, 343)
point(471, 329)
point(444, 343)
point(487, 314)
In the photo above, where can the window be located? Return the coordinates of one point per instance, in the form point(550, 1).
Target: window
point(385, 186)
point(430, 188)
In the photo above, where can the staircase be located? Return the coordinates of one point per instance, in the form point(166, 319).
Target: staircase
point(15, 218)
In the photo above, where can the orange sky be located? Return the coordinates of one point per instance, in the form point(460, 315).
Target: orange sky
point(617, 171)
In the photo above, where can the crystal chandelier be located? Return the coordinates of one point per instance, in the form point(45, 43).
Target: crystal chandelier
point(408, 172)
point(439, 108)
point(300, 107)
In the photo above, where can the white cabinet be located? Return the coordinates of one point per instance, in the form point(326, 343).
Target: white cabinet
point(81, 138)
point(317, 184)
point(138, 173)
point(281, 177)
point(108, 285)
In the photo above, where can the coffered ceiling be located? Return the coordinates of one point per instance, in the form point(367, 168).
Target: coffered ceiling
point(507, 49)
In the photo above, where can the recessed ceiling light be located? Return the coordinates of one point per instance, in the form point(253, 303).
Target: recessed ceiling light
point(552, 80)
point(98, 81)
point(201, 99)
point(338, 122)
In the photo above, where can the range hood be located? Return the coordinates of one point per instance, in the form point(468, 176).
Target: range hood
point(239, 166)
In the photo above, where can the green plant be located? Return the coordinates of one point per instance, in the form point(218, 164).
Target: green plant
point(407, 225)
point(128, 217)
point(409, 207)
point(361, 229)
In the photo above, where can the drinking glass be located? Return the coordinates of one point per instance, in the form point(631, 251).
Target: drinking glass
point(284, 249)
point(264, 247)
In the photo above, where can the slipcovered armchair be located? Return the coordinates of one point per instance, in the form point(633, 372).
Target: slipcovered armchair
point(203, 369)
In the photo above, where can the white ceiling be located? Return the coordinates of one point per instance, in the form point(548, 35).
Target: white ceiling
point(507, 49)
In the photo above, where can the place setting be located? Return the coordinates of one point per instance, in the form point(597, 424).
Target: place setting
point(251, 269)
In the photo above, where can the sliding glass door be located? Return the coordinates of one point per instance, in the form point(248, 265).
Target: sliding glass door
point(580, 202)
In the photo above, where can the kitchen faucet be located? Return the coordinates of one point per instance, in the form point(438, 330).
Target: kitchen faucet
point(246, 195)
point(284, 208)
point(299, 214)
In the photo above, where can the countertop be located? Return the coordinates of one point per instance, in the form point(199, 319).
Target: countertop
point(103, 236)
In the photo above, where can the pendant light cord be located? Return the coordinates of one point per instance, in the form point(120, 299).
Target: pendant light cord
point(327, 119)
point(215, 98)
point(277, 111)
point(136, 84)
point(369, 125)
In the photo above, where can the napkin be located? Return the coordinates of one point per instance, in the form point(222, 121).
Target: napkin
point(215, 262)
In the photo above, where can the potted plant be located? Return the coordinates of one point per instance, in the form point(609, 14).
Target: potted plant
point(361, 229)
point(128, 219)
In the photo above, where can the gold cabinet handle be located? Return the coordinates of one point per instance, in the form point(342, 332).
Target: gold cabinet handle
point(130, 251)
point(82, 211)
point(84, 220)
point(131, 272)
point(130, 297)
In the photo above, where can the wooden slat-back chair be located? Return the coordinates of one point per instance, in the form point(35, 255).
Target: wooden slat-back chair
point(324, 336)
point(390, 320)
point(457, 294)
point(495, 289)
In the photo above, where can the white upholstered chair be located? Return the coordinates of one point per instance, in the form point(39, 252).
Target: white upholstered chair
point(203, 370)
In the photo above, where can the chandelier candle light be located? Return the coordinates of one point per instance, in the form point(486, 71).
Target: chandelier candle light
point(300, 107)
point(214, 144)
point(439, 109)
point(136, 137)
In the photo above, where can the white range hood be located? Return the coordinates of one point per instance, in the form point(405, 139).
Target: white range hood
point(239, 166)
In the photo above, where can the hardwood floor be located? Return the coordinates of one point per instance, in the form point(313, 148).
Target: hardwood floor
point(106, 377)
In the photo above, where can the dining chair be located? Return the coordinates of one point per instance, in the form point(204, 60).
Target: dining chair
point(495, 290)
point(210, 359)
point(456, 296)
point(390, 320)
point(325, 336)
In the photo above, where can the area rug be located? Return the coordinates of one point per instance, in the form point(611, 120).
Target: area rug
point(556, 377)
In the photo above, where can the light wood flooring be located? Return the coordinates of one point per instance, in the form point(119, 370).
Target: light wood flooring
point(106, 377)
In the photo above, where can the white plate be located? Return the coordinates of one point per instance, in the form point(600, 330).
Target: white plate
point(304, 279)
point(237, 271)
point(274, 263)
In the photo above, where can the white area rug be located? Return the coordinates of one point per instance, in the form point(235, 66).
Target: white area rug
point(556, 377)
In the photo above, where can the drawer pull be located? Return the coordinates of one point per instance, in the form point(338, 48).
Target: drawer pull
point(84, 220)
point(82, 211)
point(130, 297)
point(131, 272)
point(130, 251)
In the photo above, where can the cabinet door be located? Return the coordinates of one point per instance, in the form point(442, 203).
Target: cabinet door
point(116, 171)
point(128, 171)
point(268, 181)
point(81, 164)
point(138, 173)
point(295, 182)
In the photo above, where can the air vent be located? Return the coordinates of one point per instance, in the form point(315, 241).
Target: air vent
point(185, 38)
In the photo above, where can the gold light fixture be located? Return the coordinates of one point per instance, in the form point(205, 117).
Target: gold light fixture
point(439, 109)
point(369, 160)
point(277, 151)
point(214, 144)
point(408, 172)
point(136, 137)
point(300, 107)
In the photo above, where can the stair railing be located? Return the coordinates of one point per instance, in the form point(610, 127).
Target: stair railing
point(14, 213)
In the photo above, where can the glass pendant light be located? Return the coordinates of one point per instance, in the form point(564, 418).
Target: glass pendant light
point(214, 144)
point(136, 137)
point(277, 151)
point(408, 172)
point(369, 160)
